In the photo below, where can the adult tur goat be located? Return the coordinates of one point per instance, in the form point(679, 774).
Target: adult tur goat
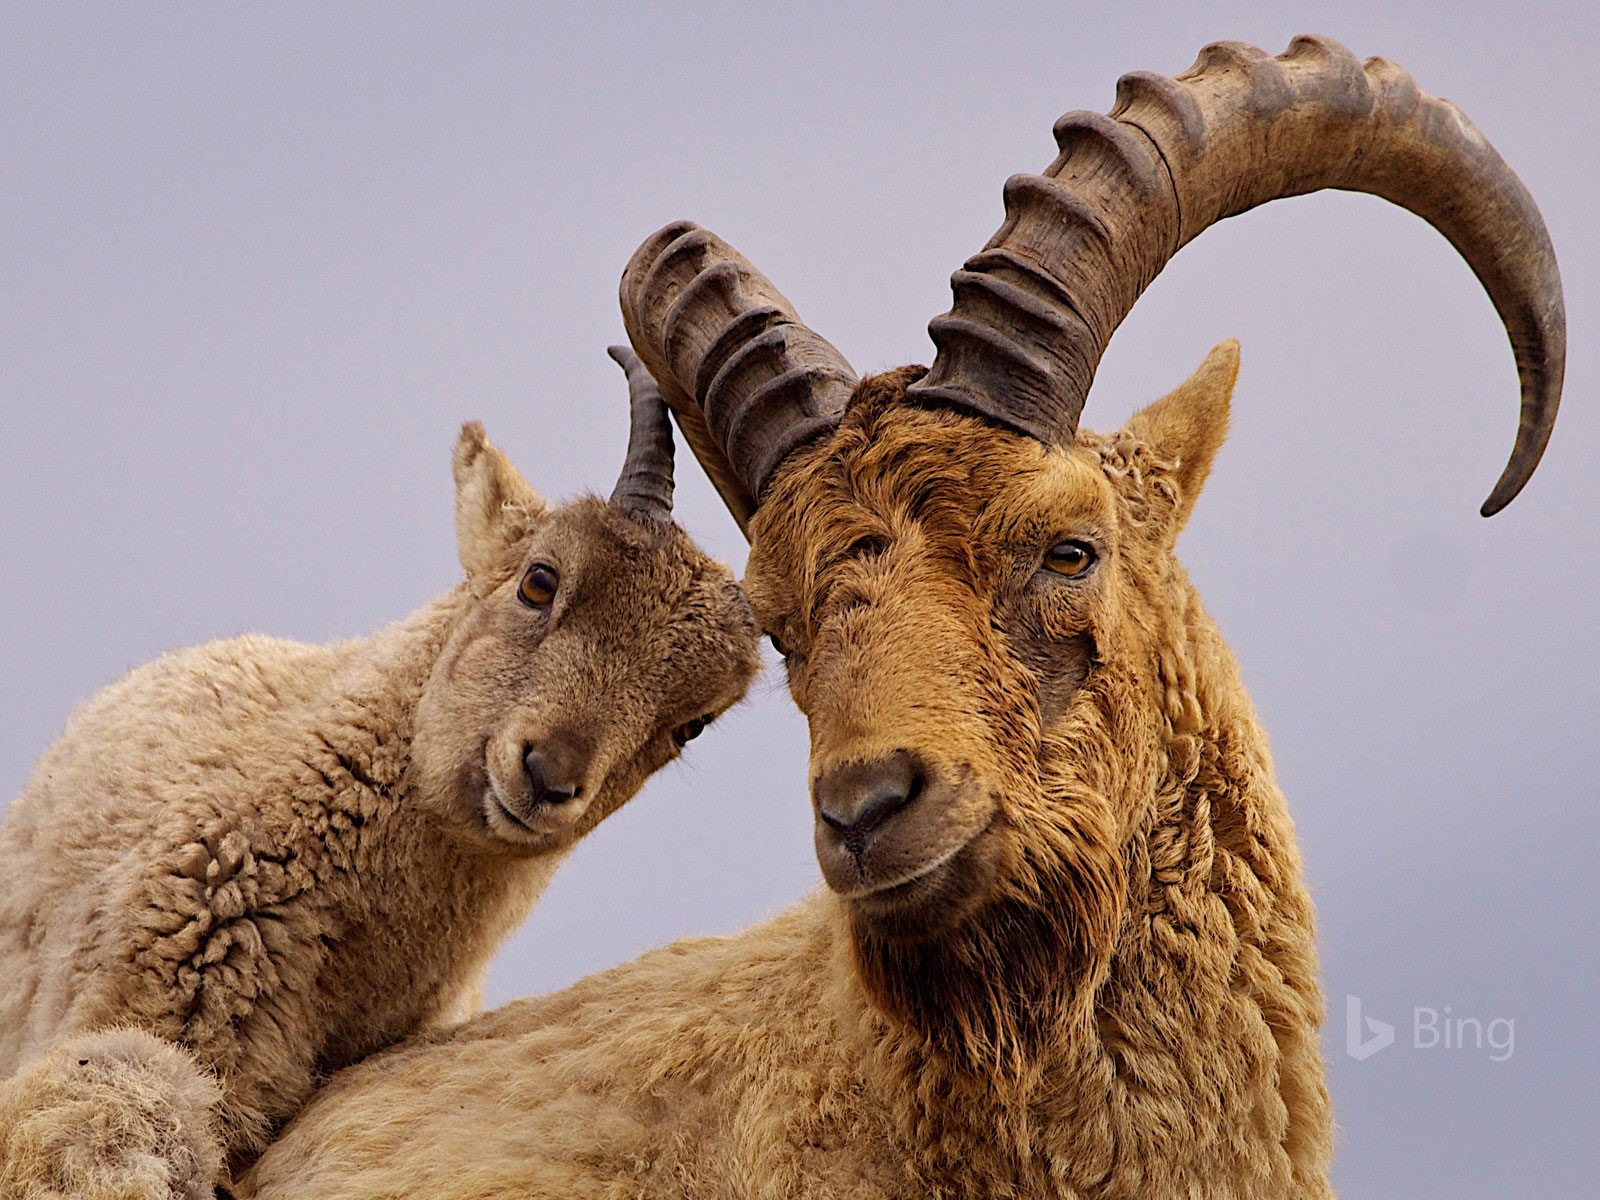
point(1066, 948)
point(282, 858)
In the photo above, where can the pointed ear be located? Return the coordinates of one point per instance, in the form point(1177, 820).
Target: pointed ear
point(495, 510)
point(1186, 427)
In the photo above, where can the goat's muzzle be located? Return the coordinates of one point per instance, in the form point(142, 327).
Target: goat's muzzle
point(540, 788)
point(888, 823)
point(550, 780)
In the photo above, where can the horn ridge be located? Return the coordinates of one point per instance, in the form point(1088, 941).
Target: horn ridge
point(767, 426)
point(747, 381)
point(738, 332)
point(644, 488)
point(1238, 129)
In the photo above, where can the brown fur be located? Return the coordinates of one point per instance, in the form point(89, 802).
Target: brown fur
point(285, 857)
point(1100, 983)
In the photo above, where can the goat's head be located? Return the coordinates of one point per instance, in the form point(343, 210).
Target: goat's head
point(599, 640)
point(983, 619)
point(942, 592)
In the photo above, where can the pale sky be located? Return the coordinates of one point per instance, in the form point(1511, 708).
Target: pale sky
point(256, 266)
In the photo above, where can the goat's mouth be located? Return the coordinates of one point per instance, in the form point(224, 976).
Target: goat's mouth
point(932, 900)
point(519, 823)
point(861, 885)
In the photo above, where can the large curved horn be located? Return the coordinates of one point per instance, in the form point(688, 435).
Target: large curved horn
point(644, 488)
point(1035, 308)
point(747, 381)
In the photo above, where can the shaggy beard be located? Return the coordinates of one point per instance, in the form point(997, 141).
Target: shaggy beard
point(990, 997)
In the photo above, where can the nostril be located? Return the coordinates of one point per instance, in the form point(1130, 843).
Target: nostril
point(866, 811)
point(545, 782)
point(858, 797)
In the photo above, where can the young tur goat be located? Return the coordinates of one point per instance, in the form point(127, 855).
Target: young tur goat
point(284, 857)
point(1067, 948)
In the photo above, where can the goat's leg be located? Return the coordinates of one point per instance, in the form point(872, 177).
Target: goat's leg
point(113, 1115)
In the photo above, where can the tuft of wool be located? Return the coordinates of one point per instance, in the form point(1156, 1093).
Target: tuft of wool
point(114, 1115)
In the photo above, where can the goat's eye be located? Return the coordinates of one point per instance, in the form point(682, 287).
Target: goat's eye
point(777, 645)
point(538, 586)
point(690, 730)
point(1069, 558)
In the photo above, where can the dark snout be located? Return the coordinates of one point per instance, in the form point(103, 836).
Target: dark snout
point(556, 769)
point(543, 786)
point(901, 838)
point(855, 799)
point(867, 829)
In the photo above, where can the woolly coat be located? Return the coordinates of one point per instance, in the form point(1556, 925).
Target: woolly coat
point(251, 933)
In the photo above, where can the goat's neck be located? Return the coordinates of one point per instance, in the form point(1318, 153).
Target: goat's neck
point(427, 902)
point(371, 706)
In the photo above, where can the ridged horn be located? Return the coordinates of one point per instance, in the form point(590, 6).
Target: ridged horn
point(747, 381)
point(1035, 308)
point(644, 489)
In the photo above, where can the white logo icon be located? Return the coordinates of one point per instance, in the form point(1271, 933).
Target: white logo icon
point(1355, 1045)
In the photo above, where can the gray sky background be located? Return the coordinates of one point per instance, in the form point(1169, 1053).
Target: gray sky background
point(257, 264)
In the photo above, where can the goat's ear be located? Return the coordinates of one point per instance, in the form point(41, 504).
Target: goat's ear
point(495, 510)
point(1187, 425)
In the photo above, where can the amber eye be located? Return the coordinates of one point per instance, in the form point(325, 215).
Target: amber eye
point(690, 730)
point(538, 587)
point(1069, 558)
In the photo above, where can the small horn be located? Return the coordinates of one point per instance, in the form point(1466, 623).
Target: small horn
point(747, 381)
point(644, 488)
point(1035, 308)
